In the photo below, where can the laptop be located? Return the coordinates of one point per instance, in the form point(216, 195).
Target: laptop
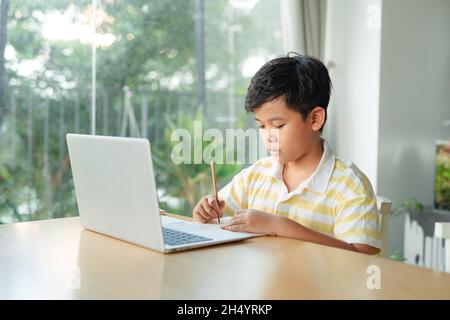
point(117, 196)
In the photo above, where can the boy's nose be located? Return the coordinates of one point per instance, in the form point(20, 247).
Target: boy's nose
point(272, 136)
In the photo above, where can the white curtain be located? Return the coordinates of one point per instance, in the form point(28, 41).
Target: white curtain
point(303, 24)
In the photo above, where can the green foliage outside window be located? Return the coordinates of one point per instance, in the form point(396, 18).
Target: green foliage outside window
point(442, 178)
point(150, 68)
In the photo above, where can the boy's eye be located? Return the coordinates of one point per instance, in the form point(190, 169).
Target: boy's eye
point(280, 126)
point(261, 127)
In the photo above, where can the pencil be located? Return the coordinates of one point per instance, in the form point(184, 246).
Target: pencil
point(216, 197)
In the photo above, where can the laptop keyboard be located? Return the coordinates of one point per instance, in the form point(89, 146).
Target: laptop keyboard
point(174, 237)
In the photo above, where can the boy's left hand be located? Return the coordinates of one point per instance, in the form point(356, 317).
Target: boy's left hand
point(253, 221)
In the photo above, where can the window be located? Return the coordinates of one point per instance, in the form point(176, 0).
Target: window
point(158, 65)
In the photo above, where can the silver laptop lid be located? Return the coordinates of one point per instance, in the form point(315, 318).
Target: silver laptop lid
point(115, 188)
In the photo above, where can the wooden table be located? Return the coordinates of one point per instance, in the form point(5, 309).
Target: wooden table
point(58, 259)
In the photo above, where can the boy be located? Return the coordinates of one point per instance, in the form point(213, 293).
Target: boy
point(301, 191)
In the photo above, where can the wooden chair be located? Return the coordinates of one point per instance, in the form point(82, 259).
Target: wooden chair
point(442, 230)
point(384, 206)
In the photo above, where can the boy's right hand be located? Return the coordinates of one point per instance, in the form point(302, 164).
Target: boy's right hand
point(207, 209)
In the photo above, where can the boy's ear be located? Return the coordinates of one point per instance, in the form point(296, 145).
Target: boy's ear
point(317, 118)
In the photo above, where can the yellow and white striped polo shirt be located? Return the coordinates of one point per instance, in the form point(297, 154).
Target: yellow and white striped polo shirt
point(337, 199)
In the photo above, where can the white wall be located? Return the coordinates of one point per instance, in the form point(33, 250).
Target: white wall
point(414, 99)
point(392, 92)
point(353, 49)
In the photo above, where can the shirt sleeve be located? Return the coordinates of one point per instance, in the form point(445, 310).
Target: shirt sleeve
point(235, 193)
point(357, 221)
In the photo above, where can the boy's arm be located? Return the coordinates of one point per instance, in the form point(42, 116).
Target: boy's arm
point(289, 228)
point(261, 222)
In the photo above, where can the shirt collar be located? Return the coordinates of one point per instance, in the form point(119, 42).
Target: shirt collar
point(318, 181)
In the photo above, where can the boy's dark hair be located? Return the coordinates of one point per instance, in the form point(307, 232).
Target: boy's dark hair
point(303, 82)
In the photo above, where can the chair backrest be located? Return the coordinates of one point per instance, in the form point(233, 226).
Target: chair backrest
point(442, 230)
point(384, 206)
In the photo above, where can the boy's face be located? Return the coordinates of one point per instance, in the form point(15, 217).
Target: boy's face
point(286, 135)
